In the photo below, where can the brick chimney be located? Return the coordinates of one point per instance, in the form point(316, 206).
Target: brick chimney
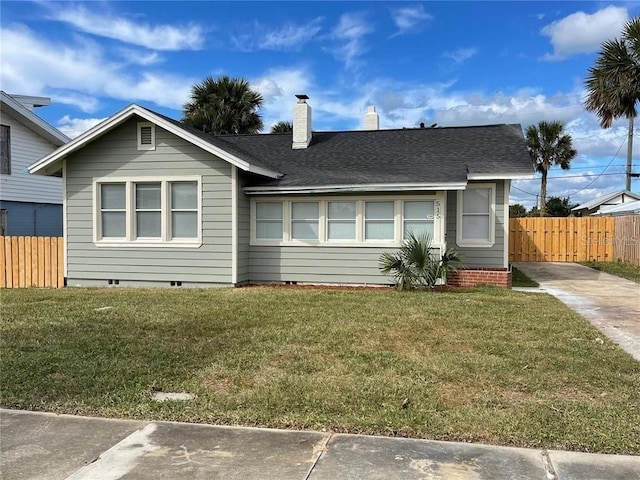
point(371, 119)
point(301, 123)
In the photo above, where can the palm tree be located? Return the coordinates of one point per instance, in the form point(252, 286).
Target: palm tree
point(282, 127)
point(414, 265)
point(613, 83)
point(548, 146)
point(223, 106)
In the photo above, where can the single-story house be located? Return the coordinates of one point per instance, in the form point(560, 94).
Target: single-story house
point(30, 205)
point(627, 208)
point(594, 206)
point(149, 201)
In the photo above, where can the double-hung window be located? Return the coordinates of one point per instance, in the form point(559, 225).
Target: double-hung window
point(476, 217)
point(305, 221)
point(379, 221)
point(140, 212)
point(5, 149)
point(269, 221)
point(418, 218)
point(113, 210)
point(148, 203)
point(184, 209)
point(341, 221)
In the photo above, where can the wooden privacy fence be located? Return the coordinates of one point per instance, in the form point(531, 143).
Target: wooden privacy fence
point(581, 239)
point(31, 262)
point(626, 245)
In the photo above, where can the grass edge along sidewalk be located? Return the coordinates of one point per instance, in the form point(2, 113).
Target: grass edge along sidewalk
point(618, 268)
point(484, 365)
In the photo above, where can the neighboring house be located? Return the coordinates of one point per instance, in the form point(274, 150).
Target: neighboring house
point(627, 208)
point(150, 201)
point(594, 206)
point(29, 204)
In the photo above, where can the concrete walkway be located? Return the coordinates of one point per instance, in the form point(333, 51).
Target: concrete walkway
point(610, 303)
point(47, 446)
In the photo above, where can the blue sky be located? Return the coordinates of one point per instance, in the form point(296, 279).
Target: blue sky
point(450, 63)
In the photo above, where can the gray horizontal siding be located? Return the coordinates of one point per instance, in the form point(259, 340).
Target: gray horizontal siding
point(244, 232)
point(116, 155)
point(89, 282)
point(27, 147)
point(488, 257)
point(357, 265)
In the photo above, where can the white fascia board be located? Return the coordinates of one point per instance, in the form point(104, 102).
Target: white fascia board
point(33, 121)
point(391, 187)
point(103, 127)
point(499, 176)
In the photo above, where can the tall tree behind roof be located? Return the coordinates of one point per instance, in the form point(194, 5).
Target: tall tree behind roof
point(282, 127)
point(548, 146)
point(613, 83)
point(224, 106)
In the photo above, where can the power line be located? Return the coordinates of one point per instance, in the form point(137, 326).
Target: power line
point(576, 176)
point(579, 176)
point(605, 169)
point(596, 166)
point(523, 191)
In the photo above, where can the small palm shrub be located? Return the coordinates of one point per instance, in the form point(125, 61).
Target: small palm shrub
point(415, 266)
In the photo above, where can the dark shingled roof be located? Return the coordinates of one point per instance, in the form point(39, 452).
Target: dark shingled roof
point(416, 155)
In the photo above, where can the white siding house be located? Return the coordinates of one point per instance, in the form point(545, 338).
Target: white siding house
point(30, 204)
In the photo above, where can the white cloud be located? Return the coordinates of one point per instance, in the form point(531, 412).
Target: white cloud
point(407, 19)
point(279, 86)
point(460, 55)
point(72, 127)
point(524, 106)
point(139, 57)
point(86, 103)
point(82, 71)
point(349, 35)
point(159, 37)
point(290, 36)
point(581, 32)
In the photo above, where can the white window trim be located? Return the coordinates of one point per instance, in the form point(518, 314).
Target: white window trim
point(153, 136)
point(492, 218)
point(439, 220)
point(129, 240)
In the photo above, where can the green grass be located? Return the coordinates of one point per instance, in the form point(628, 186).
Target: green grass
point(621, 269)
point(484, 365)
point(519, 279)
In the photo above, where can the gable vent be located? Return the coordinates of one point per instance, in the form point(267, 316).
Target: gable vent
point(145, 136)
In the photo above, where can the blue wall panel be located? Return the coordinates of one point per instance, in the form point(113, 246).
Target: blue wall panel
point(33, 219)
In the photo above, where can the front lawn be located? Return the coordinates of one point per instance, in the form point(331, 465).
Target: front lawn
point(621, 269)
point(484, 365)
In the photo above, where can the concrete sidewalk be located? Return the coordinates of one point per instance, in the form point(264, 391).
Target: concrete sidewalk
point(610, 303)
point(47, 446)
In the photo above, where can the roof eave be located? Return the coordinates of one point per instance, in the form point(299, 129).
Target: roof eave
point(596, 202)
point(43, 166)
point(363, 188)
point(500, 176)
point(34, 122)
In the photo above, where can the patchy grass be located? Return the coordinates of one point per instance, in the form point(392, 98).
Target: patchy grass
point(621, 269)
point(484, 365)
point(519, 279)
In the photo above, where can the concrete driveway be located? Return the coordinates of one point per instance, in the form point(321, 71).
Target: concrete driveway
point(610, 303)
